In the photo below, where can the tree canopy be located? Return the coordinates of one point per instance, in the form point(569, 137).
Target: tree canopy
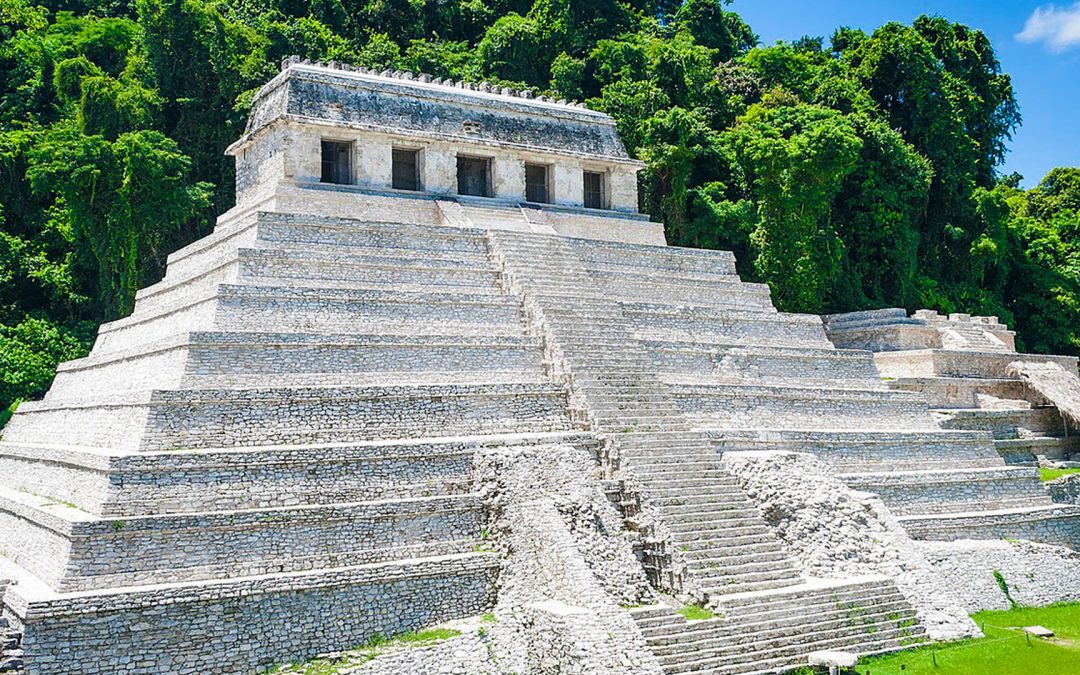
point(853, 172)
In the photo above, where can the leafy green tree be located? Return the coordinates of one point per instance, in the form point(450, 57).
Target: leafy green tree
point(714, 28)
point(515, 48)
point(122, 198)
point(200, 63)
point(878, 213)
point(29, 354)
point(793, 158)
point(941, 87)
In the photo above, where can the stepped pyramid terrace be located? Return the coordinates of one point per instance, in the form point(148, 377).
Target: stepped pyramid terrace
point(435, 369)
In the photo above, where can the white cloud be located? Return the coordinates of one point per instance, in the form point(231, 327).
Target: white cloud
point(1057, 27)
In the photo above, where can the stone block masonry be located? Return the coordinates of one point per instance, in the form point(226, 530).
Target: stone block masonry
point(238, 627)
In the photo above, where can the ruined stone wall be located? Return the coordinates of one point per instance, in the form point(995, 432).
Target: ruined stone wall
point(276, 621)
point(1034, 574)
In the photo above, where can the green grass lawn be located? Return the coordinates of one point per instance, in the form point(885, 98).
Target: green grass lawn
point(1004, 651)
point(1050, 474)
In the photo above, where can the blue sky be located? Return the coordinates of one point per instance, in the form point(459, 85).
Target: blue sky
point(1038, 44)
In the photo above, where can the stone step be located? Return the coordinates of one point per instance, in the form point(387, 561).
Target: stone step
point(634, 255)
point(746, 406)
point(711, 324)
point(231, 359)
point(795, 612)
point(791, 650)
point(871, 450)
point(771, 552)
point(209, 418)
point(678, 483)
point(326, 235)
point(817, 590)
point(941, 491)
point(618, 274)
point(747, 543)
point(305, 268)
point(393, 256)
point(681, 518)
point(741, 296)
point(725, 634)
point(282, 309)
point(707, 570)
point(635, 280)
point(657, 464)
point(960, 364)
point(664, 452)
point(1049, 524)
point(110, 484)
point(629, 423)
point(661, 459)
point(346, 232)
point(105, 553)
point(956, 392)
point(1022, 451)
point(648, 439)
point(1004, 424)
point(768, 365)
point(715, 529)
point(749, 583)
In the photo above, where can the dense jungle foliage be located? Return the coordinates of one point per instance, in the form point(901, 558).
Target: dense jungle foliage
point(849, 173)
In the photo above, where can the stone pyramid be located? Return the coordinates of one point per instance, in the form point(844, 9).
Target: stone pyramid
point(275, 455)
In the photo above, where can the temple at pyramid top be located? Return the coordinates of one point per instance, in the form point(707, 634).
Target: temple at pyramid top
point(331, 139)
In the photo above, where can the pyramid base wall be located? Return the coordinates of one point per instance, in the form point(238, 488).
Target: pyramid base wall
point(243, 626)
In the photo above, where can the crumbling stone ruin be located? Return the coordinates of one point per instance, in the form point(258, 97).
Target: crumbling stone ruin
point(434, 366)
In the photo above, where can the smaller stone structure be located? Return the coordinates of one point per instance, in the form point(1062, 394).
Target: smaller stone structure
point(968, 369)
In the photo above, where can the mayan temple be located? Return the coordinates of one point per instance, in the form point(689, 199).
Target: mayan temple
point(434, 366)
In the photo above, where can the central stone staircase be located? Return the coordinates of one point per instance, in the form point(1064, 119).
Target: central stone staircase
point(704, 538)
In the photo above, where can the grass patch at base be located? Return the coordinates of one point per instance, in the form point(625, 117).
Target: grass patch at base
point(1005, 650)
point(1050, 474)
point(362, 654)
point(695, 613)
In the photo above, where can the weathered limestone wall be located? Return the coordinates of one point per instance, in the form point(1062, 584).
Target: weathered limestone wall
point(419, 208)
point(956, 364)
point(1036, 574)
point(279, 620)
point(307, 104)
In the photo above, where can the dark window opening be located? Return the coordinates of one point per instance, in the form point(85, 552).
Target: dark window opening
point(474, 176)
point(337, 162)
point(406, 169)
point(536, 183)
point(594, 190)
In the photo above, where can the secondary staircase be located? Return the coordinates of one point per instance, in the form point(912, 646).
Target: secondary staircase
point(703, 537)
point(755, 634)
point(11, 653)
